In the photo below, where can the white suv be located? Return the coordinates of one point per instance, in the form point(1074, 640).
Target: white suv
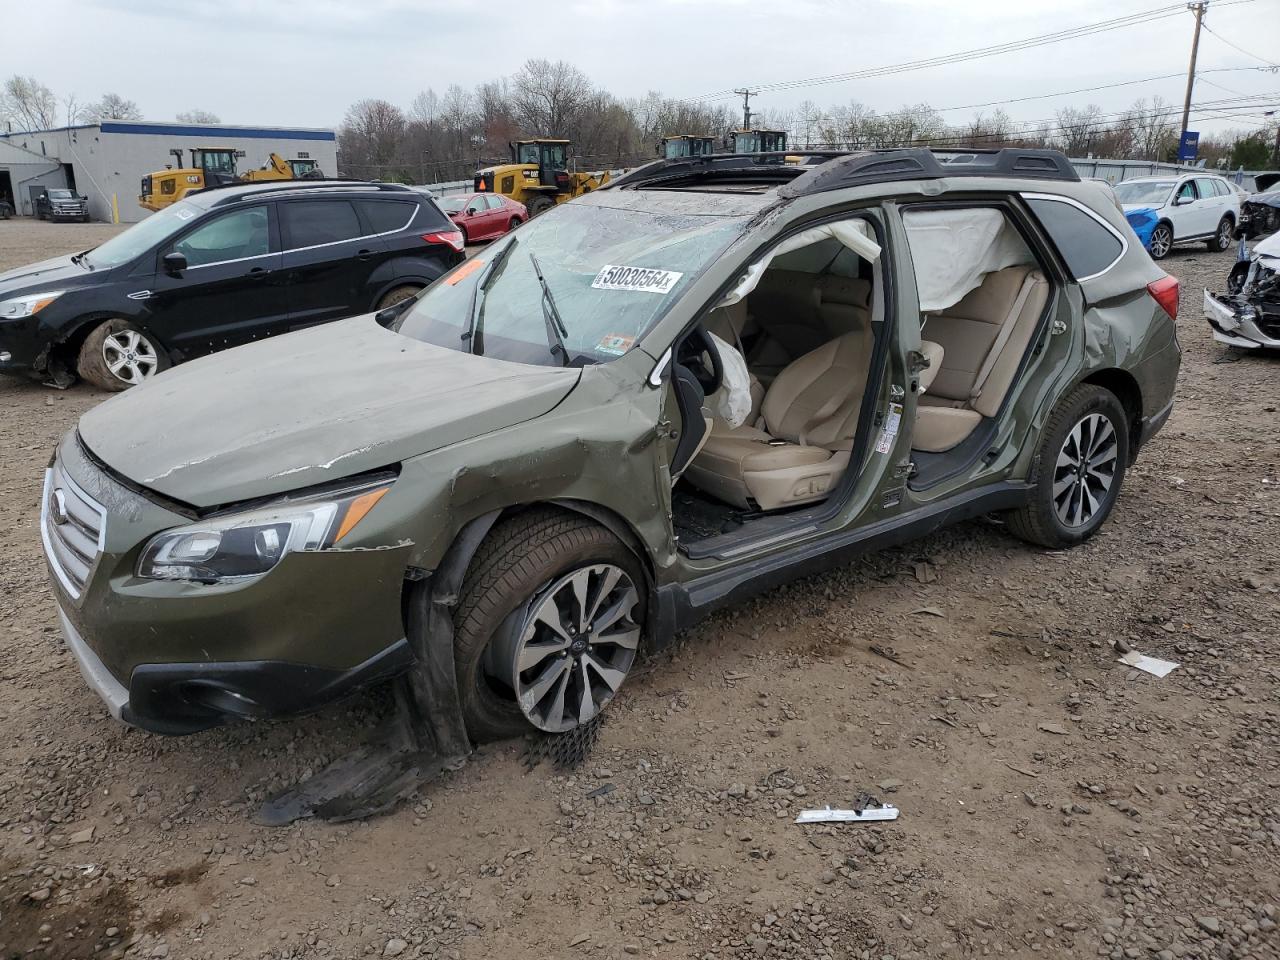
point(1190, 207)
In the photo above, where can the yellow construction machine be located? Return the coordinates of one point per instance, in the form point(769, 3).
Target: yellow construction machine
point(538, 176)
point(687, 145)
point(215, 167)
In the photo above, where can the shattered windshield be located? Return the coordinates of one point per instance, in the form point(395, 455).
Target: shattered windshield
point(610, 275)
point(1154, 192)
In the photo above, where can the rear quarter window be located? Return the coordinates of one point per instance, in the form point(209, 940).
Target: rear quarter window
point(309, 223)
point(1087, 245)
point(384, 216)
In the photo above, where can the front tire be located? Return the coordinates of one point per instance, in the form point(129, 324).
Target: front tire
point(1077, 471)
point(117, 355)
point(531, 645)
point(539, 205)
point(1223, 236)
point(1161, 241)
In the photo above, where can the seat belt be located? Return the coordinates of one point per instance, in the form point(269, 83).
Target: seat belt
point(1002, 337)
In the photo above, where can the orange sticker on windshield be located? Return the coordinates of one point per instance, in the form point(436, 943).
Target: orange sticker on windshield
point(615, 343)
point(464, 271)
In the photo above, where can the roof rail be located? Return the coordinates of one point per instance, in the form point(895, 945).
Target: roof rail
point(845, 168)
point(278, 186)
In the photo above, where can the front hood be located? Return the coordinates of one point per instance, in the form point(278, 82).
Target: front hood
point(309, 407)
point(1269, 247)
point(50, 273)
point(1131, 207)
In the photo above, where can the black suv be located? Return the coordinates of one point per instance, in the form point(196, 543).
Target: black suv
point(62, 204)
point(220, 268)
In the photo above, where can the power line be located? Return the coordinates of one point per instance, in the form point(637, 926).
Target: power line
point(1133, 19)
point(1270, 63)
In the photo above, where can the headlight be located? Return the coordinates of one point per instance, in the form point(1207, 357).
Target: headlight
point(20, 307)
point(243, 545)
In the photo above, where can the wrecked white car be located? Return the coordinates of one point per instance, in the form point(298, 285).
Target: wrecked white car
point(1248, 314)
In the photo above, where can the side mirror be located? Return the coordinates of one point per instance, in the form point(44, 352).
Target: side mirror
point(1182, 201)
point(175, 263)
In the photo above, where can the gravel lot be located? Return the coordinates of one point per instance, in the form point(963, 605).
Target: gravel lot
point(1055, 803)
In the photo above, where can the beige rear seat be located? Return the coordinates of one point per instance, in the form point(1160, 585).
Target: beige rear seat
point(983, 339)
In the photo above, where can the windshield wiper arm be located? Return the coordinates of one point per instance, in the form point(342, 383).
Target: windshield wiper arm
point(556, 331)
point(474, 334)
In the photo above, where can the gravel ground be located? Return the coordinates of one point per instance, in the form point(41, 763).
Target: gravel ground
point(1055, 802)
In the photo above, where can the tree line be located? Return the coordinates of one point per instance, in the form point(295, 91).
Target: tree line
point(442, 137)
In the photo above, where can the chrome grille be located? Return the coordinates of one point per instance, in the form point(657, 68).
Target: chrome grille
point(71, 525)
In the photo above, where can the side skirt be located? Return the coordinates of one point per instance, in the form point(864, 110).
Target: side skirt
point(680, 605)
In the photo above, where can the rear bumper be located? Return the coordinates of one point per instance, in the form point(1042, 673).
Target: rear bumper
point(181, 698)
point(1231, 328)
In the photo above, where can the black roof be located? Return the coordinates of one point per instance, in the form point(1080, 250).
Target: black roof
point(235, 192)
point(826, 170)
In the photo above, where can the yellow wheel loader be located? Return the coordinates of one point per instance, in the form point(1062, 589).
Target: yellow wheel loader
point(538, 176)
point(215, 167)
point(686, 145)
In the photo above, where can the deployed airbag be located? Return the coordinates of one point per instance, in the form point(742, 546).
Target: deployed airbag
point(854, 234)
point(732, 402)
point(954, 249)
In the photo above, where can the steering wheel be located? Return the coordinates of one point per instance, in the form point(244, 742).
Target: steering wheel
point(699, 355)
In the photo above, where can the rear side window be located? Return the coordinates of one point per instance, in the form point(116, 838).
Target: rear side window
point(495, 202)
point(1088, 246)
point(308, 223)
point(384, 216)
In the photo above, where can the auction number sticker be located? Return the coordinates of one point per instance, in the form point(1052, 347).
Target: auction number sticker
point(635, 279)
point(615, 343)
point(891, 424)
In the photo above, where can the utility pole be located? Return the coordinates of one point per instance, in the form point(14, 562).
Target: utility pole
point(746, 106)
point(1199, 7)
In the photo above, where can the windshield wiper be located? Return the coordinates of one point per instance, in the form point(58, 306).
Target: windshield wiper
point(474, 334)
point(556, 331)
point(79, 259)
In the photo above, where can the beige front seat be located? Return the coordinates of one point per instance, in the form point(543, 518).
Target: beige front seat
point(801, 445)
point(983, 339)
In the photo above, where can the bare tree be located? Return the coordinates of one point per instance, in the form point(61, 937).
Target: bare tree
point(1078, 128)
point(112, 106)
point(198, 116)
point(549, 97)
point(28, 103)
point(371, 136)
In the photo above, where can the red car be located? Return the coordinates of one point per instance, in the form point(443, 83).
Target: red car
point(483, 216)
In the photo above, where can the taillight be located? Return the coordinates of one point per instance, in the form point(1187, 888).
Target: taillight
point(1165, 292)
point(452, 237)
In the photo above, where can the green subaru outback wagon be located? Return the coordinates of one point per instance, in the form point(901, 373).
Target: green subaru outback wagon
point(715, 375)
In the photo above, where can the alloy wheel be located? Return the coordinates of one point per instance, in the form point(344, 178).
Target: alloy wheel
point(1224, 235)
point(1161, 242)
point(1085, 471)
point(573, 652)
point(130, 356)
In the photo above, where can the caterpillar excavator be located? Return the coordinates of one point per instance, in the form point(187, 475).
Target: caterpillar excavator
point(216, 167)
point(538, 176)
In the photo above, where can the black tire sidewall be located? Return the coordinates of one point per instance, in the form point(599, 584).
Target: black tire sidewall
point(1081, 403)
point(491, 717)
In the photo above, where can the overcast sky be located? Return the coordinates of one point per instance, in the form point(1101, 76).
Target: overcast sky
point(302, 64)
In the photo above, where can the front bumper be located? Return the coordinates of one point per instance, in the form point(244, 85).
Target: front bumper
point(1231, 328)
point(68, 214)
point(176, 657)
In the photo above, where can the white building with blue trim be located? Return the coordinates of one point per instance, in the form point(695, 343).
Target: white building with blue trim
point(106, 161)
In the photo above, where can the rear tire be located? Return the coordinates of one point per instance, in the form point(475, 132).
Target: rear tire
point(1161, 241)
point(520, 560)
point(117, 355)
point(396, 295)
point(1077, 471)
point(1222, 238)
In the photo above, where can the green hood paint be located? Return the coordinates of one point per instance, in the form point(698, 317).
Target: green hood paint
point(307, 408)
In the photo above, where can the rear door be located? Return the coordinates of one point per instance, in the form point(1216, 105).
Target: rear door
point(497, 215)
point(328, 259)
point(231, 291)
